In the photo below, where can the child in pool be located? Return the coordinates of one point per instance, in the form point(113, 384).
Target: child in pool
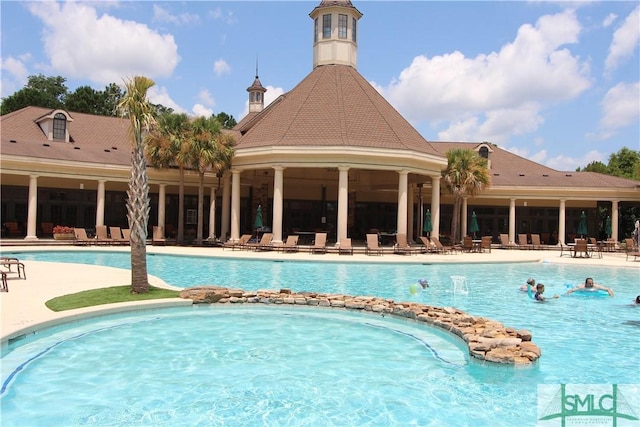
point(590, 286)
point(530, 282)
point(539, 291)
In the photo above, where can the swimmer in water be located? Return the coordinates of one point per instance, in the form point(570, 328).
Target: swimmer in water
point(530, 282)
point(539, 291)
point(589, 285)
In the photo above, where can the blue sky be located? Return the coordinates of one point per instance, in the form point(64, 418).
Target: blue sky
point(556, 82)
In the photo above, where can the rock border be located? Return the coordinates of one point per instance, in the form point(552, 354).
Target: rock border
point(487, 339)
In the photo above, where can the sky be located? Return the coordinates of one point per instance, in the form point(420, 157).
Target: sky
point(555, 82)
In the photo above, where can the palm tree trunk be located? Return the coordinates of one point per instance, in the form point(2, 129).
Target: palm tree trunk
point(138, 213)
point(180, 237)
point(200, 209)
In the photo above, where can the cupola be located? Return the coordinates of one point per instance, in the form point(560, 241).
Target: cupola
point(256, 95)
point(335, 33)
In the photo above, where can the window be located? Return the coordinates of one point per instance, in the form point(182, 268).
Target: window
point(192, 216)
point(59, 126)
point(484, 152)
point(258, 97)
point(342, 26)
point(353, 29)
point(315, 30)
point(326, 26)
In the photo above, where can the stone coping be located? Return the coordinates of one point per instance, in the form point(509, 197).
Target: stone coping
point(487, 339)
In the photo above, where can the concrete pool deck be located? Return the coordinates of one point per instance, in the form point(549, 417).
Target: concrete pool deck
point(23, 308)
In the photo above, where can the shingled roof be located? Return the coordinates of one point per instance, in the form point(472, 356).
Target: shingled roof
point(333, 106)
point(510, 170)
point(95, 139)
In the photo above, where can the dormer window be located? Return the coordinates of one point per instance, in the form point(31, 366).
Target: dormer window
point(59, 126)
point(484, 152)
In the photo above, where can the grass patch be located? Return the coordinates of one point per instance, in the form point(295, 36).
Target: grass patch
point(106, 296)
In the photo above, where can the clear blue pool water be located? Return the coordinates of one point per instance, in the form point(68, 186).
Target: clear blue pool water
point(278, 367)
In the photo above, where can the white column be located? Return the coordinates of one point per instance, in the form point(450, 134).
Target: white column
point(561, 221)
point(235, 205)
point(435, 206)
point(512, 220)
point(162, 209)
point(403, 179)
point(212, 214)
point(278, 188)
point(614, 220)
point(226, 206)
point(464, 218)
point(410, 216)
point(100, 203)
point(32, 212)
point(343, 202)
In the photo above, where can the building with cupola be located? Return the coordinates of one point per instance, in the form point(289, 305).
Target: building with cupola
point(331, 154)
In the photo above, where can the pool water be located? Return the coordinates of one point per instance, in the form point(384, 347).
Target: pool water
point(217, 366)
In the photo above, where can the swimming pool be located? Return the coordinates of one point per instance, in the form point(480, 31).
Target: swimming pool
point(585, 340)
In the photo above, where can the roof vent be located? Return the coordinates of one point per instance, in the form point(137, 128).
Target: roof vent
point(13, 140)
point(76, 148)
point(521, 174)
point(545, 174)
point(106, 150)
point(114, 148)
point(496, 174)
point(46, 145)
point(568, 174)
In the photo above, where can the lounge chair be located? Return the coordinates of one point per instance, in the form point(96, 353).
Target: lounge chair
point(319, 244)
point(344, 247)
point(9, 262)
point(402, 246)
point(5, 285)
point(126, 235)
point(157, 238)
point(102, 236)
point(535, 242)
point(485, 245)
point(440, 248)
point(505, 243)
point(263, 244)
point(116, 236)
point(523, 242)
point(242, 241)
point(427, 245)
point(290, 245)
point(373, 246)
point(81, 237)
point(467, 244)
point(631, 250)
point(595, 246)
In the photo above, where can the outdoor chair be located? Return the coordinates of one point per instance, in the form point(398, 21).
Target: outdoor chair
point(263, 244)
point(290, 245)
point(9, 262)
point(581, 247)
point(5, 285)
point(116, 236)
point(81, 237)
point(126, 235)
point(344, 247)
point(505, 243)
point(102, 236)
point(467, 244)
point(373, 245)
point(440, 248)
point(535, 242)
point(485, 245)
point(522, 241)
point(428, 247)
point(319, 244)
point(239, 244)
point(402, 246)
point(631, 249)
point(157, 238)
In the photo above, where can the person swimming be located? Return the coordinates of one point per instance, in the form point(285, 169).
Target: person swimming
point(530, 282)
point(589, 285)
point(539, 291)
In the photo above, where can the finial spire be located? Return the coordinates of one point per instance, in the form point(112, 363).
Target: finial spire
point(256, 65)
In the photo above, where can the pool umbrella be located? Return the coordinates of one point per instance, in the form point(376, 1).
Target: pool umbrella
point(582, 225)
point(427, 228)
point(258, 222)
point(607, 226)
point(473, 228)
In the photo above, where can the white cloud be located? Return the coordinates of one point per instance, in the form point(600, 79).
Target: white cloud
point(621, 106)
point(205, 97)
point(201, 110)
point(14, 75)
point(560, 162)
point(160, 95)
point(625, 40)
point(610, 19)
point(102, 49)
point(161, 14)
point(221, 67)
point(498, 94)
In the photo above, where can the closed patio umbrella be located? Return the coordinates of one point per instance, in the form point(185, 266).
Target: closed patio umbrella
point(474, 228)
point(258, 222)
point(582, 225)
point(428, 227)
point(607, 226)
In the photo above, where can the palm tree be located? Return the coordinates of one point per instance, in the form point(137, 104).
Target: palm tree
point(168, 145)
point(210, 148)
point(466, 175)
point(136, 107)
